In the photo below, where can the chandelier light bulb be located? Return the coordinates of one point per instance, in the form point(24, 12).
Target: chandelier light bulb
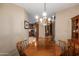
point(44, 14)
point(36, 17)
point(53, 16)
point(41, 20)
point(49, 19)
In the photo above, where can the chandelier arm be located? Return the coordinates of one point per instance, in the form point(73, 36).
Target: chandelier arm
point(45, 7)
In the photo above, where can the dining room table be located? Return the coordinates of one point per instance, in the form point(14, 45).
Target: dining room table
point(49, 48)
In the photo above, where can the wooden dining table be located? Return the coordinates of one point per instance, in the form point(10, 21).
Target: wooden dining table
point(48, 49)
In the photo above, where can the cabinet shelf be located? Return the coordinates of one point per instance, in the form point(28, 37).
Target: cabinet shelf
point(75, 27)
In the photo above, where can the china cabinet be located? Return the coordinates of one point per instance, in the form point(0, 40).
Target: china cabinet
point(75, 27)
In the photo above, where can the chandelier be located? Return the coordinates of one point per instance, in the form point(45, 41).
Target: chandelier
point(44, 19)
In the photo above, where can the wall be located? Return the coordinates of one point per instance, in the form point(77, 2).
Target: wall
point(63, 23)
point(11, 27)
point(41, 30)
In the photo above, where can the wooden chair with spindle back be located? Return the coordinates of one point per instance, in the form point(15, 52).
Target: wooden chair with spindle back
point(76, 47)
point(21, 45)
point(64, 47)
point(71, 47)
point(77, 50)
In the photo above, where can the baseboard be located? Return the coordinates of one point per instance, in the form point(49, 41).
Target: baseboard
point(11, 53)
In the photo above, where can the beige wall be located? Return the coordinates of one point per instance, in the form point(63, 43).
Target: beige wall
point(11, 27)
point(41, 30)
point(63, 23)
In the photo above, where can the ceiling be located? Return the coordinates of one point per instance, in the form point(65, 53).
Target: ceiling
point(37, 8)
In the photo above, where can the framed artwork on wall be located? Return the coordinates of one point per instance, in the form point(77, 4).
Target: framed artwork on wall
point(26, 25)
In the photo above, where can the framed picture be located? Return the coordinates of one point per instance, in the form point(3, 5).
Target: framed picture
point(26, 24)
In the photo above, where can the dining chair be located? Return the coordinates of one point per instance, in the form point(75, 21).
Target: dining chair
point(77, 50)
point(64, 47)
point(71, 48)
point(70, 51)
point(21, 45)
point(76, 46)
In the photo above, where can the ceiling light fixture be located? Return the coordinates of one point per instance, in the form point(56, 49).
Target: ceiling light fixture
point(44, 19)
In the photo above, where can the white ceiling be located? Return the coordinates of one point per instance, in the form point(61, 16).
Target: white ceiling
point(37, 8)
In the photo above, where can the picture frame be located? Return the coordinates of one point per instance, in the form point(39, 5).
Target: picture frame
point(26, 25)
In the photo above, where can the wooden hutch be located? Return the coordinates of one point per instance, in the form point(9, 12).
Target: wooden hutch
point(75, 27)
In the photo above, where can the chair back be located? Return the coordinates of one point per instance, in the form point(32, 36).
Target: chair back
point(62, 44)
point(21, 45)
point(64, 47)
